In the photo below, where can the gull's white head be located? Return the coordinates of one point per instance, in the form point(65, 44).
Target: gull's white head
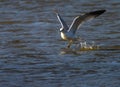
point(61, 29)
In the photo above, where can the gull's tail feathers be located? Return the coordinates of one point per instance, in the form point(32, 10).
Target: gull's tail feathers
point(81, 19)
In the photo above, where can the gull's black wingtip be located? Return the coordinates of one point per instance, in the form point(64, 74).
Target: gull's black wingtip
point(96, 13)
point(104, 10)
point(55, 11)
point(101, 11)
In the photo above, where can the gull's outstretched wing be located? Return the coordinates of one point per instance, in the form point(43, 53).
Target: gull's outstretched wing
point(81, 19)
point(62, 22)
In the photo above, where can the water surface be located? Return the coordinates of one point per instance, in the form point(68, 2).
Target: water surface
point(31, 51)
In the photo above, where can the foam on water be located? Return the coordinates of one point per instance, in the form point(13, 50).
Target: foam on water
point(80, 46)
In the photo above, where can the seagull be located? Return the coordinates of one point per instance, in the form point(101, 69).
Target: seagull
point(68, 33)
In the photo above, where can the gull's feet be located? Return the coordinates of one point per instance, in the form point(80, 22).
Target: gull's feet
point(68, 46)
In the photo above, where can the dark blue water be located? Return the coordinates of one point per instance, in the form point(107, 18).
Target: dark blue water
point(31, 51)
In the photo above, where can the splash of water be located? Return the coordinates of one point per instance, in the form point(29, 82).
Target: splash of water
point(83, 45)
